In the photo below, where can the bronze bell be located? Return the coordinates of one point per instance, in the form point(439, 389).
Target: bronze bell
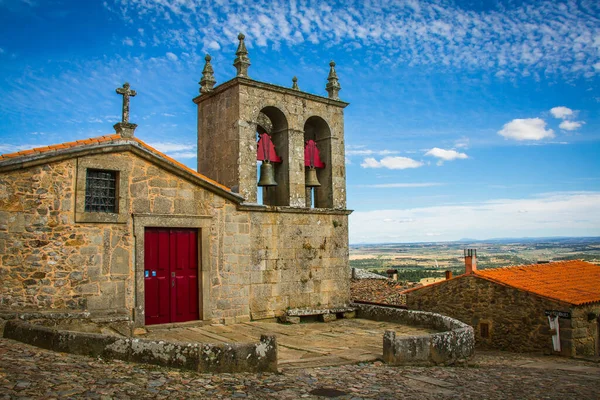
point(267, 174)
point(311, 178)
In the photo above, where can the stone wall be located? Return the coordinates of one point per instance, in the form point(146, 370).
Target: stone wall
point(299, 260)
point(585, 325)
point(47, 261)
point(455, 341)
point(219, 358)
point(515, 318)
point(255, 262)
point(227, 123)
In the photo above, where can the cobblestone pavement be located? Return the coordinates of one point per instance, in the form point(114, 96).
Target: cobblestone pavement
point(30, 372)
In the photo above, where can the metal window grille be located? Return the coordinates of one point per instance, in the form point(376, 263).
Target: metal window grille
point(101, 191)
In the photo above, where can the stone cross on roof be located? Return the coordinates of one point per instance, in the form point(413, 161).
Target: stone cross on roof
point(124, 128)
point(126, 93)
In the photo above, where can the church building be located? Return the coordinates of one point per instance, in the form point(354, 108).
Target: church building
point(111, 226)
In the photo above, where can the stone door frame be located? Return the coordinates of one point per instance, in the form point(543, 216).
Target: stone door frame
point(202, 224)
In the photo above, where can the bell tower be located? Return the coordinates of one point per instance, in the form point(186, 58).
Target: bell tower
point(296, 138)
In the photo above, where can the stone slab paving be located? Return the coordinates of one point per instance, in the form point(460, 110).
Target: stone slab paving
point(312, 344)
point(28, 372)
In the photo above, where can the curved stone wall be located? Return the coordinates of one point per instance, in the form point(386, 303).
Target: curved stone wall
point(227, 357)
point(455, 341)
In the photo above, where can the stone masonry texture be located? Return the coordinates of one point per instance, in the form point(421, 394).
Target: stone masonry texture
point(260, 262)
point(515, 318)
point(200, 357)
point(227, 122)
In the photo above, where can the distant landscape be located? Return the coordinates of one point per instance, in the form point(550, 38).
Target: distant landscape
point(419, 261)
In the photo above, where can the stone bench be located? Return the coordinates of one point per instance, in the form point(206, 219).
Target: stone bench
point(294, 316)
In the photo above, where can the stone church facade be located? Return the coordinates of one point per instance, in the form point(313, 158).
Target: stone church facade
point(111, 226)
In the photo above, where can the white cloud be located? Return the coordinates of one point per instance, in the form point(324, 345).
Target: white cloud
point(367, 152)
point(167, 147)
point(402, 185)
point(526, 129)
point(561, 112)
point(462, 143)
point(128, 41)
point(183, 155)
point(13, 148)
point(171, 56)
point(570, 125)
point(214, 45)
point(391, 163)
point(446, 155)
point(549, 214)
point(447, 35)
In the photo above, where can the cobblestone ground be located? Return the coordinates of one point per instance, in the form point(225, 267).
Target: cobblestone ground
point(30, 372)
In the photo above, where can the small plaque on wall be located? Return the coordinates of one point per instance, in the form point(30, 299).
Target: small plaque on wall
point(560, 314)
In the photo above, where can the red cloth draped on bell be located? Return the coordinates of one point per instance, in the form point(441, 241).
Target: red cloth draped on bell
point(311, 155)
point(265, 151)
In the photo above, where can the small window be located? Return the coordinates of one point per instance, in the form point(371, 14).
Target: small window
point(101, 191)
point(484, 330)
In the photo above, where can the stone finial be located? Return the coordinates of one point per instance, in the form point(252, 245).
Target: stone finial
point(242, 62)
point(125, 128)
point(295, 83)
point(333, 85)
point(208, 78)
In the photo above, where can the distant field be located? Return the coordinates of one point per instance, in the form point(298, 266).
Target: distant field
point(416, 261)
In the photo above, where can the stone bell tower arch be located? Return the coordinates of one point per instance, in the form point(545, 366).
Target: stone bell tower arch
point(231, 114)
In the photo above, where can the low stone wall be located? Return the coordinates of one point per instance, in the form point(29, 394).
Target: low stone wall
point(455, 341)
point(235, 357)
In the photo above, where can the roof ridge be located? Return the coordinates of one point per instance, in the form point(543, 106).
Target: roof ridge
point(59, 146)
point(103, 139)
point(179, 164)
point(551, 263)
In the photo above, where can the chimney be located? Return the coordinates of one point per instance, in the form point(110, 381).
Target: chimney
point(392, 274)
point(470, 261)
point(448, 275)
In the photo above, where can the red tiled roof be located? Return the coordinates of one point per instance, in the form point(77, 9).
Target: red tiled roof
point(575, 282)
point(382, 291)
point(61, 146)
point(104, 139)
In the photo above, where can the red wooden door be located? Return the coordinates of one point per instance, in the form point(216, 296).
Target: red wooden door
point(171, 275)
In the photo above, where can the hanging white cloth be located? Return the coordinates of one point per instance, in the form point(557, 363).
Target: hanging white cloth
point(554, 326)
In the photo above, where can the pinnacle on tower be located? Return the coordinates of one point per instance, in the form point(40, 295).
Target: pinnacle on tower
point(333, 85)
point(208, 78)
point(242, 62)
point(295, 83)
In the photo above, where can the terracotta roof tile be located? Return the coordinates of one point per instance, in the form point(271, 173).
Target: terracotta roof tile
point(575, 282)
point(104, 139)
point(381, 291)
point(60, 146)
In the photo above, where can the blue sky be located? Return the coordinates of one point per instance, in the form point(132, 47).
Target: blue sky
point(468, 119)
